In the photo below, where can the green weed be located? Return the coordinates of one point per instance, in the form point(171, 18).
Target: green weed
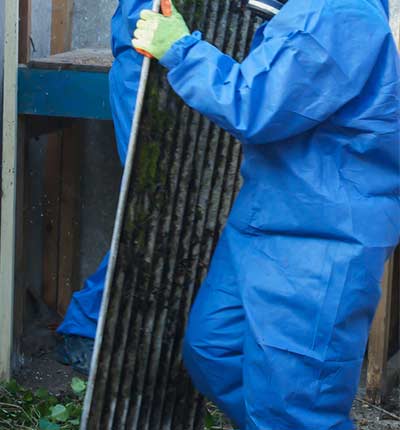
point(23, 409)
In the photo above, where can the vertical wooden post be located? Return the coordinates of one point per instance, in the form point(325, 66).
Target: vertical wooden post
point(69, 215)
point(25, 12)
point(51, 214)
point(379, 340)
point(20, 238)
point(62, 178)
point(22, 188)
point(8, 185)
point(61, 25)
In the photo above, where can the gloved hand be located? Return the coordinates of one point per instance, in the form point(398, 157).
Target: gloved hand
point(156, 33)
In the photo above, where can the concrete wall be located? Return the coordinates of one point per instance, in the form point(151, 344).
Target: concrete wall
point(92, 23)
point(41, 23)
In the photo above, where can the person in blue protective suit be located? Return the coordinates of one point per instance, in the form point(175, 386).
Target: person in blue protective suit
point(80, 323)
point(278, 331)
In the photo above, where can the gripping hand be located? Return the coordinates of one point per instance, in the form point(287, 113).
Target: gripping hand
point(155, 33)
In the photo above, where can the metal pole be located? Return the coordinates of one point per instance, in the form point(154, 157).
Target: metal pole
point(395, 20)
point(117, 228)
point(8, 185)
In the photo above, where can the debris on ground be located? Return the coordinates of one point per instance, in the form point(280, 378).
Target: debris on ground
point(26, 409)
point(41, 374)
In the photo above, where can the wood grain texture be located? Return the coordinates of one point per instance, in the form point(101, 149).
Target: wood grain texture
point(9, 186)
point(51, 213)
point(62, 178)
point(69, 243)
point(379, 340)
point(91, 60)
point(61, 26)
point(25, 12)
point(22, 202)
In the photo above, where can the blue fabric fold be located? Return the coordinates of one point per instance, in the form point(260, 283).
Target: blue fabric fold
point(278, 331)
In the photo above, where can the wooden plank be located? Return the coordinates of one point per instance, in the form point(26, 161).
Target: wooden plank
point(69, 216)
point(89, 60)
point(51, 212)
point(379, 341)
point(40, 125)
point(9, 186)
point(64, 94)
point(61, 35)
point(394, 338)
point(61, 26)
point(21, 239)
point(25, 12)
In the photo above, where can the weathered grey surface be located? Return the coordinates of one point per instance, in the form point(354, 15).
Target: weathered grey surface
point(91, 28)
point(41, 25)
point(99, 194)
point(98, 60)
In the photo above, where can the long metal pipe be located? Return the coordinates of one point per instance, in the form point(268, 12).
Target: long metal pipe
point(123, 196)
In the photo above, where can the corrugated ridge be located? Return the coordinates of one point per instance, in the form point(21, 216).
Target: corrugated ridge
point(186, 175)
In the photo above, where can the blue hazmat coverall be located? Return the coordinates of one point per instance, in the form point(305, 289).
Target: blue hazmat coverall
point(278, 331)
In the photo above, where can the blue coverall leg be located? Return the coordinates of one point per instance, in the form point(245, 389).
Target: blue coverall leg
point(277, 341)
point(213, 347)
point(278, 332)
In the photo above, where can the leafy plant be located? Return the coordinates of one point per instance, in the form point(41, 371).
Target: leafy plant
point(214, 419)
point(23, 409)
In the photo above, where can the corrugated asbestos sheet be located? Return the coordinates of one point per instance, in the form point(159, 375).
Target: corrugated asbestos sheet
point(186, 176)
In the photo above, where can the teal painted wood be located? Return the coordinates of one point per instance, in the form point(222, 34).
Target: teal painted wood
point(63, 93)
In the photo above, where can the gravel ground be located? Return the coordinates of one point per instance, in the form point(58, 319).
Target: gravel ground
point(369, 417)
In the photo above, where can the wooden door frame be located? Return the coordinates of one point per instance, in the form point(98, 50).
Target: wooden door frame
point(9, 186)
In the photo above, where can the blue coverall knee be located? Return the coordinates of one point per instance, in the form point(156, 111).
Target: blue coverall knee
point(282, 364)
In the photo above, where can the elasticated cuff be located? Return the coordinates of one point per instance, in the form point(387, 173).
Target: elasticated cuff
point(179, 49)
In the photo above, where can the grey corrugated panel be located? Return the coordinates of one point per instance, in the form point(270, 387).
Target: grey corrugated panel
point(186, 175)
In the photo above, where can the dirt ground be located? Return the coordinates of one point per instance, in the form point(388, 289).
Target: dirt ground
point(41, 370)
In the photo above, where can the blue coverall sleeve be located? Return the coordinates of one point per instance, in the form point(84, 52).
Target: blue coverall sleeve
point(287, 85)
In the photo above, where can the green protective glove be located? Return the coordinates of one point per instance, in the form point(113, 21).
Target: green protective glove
point(156, 33)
